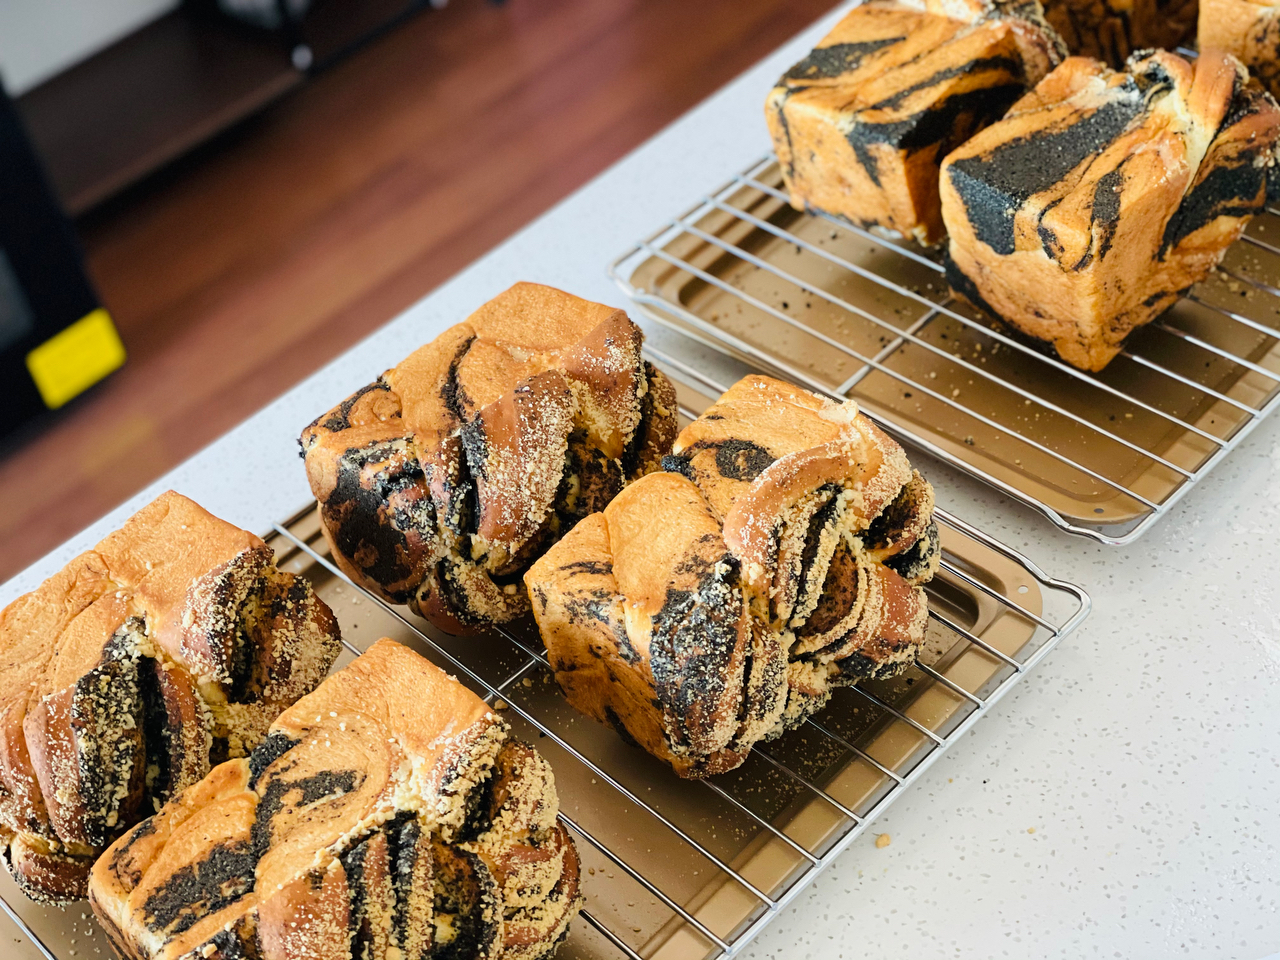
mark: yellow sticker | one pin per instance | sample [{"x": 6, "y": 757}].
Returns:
[{"x": 72, "y": 361}]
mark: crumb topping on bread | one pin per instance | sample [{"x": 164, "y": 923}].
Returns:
[
  {"x": 439, "y": 484},
  {"x": 170, "y": 646},
  {"x": 780, "y": 554},
  {"x": 388, "y": 813}
]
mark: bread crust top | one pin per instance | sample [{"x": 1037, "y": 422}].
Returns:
[
  {"x": 50, "y": 636},
  {"x": 122, "y": 675},
  {"x": 284, "y": 845},
  {"x": 445, "y": 477}
]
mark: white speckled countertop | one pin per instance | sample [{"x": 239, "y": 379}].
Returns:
[{"x": 1145, "y": 752}]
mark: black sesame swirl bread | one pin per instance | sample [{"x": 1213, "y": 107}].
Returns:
[
  {"x": 170, "y": 646},
  {"x": 1103, "y": 196},
  {"x": 862, "y": 123},
  {"x": 719, "y": 603},
  {"x": 388, "y": 815},
  {"x": 443, "y": 480}
]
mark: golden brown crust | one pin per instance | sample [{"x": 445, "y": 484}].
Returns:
[
  {"x": 388, "y": 810},
  {"x": 716, "y": 604},
  {"x": 127, "y": 665},
  {"x": 46, "y": 871},
  {"x": 441, "y": 482},
  {"x": 1103, "y": 196},
  {"x": 861, "y": 124}
]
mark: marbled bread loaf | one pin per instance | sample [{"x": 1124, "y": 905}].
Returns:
[
  {"x": 171, "y": 645},
  {"x": 862, "y": 123},
  {"x": 388, "y": 816},
  {"x": 1103, "y": 196},
  {"x": 443, "y": 480},
  {"x": 720, "y": 602}
]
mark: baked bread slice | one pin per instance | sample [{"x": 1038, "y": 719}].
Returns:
[
  {"x": 1103, "y": 196},
  {"x": 173, "y": 644},
  {"x": 442, "y": 481},
  {"x": 1247, "y": 29},
  {"x": 388, "y": 814},
  {"x": 862, "y": 123},
  {"x": 1112, "y": 30},
  {"x": 719, "y": 603}
]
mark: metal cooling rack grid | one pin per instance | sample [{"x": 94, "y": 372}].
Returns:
[
  {"x": 823, "y": 785},
  {"x": 1072, "y": 606},
  {"x": 730, "y": 943},
  {"x": 733, "y": 202}
]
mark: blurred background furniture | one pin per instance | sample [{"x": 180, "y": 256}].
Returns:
[
  {"x": 182, "y": 78},
  {"x": 253, "y": 258},
  {"x": 55, "y": 339}
]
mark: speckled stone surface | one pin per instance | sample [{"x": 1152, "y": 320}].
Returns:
[{"x": 1145, "y": 751}]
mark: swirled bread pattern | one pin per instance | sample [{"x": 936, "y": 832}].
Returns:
[
  {"x": 388, "y": 816},
  {"x": 170, "y": 646},
  {"x": 718, "y": 603},
  {"x": 862, "y": 123},
  {"x": 1104, "y": 196},
  {"x": 443, "y": 480}
]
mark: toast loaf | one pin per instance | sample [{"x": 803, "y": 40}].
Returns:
[
  {"x": 719, "y": 603},
  {"x": 443, "y": 480},
  {"x": 861, "y": 124},
  {"x": 389, "y": 814},
  {"x": 1104, "y": 196},
  {"x": 170, "y": 646}
]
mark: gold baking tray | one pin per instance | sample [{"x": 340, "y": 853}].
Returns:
[
  {"x": 684, "y": 870},
  {"x": 847, "y": 312}
]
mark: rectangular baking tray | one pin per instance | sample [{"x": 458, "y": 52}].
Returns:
[
  {"x": 849, "y": 313},
  {"x": 686, "y": 870}
]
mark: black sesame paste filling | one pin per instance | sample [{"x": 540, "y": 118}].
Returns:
[
  {"x": 694, "y": 636},
  {"x": 839, "y": 595},
  {"x": 242, "y": 650},
  {"x": 404, "y": 836},
  {"x": 156, "y": 735},
  {"x": 478, "y": 814},
  {"x": 823, "y": 518},
  {"x": 266, "y": 753},
  {"x": 464, "y": 895},
  {"x": 912, "y": 564},
  {"x": 648, "y": 411},
  {"x": 105, "y": 710},
  {"x": 824, "y": 63},
  {"x": 199, "y": 889},
  {"x": 355, "y": 511},
  {"x": 892, "y": 520}
]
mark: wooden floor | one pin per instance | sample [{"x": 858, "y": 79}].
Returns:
[{"x": 245, "y": 268}]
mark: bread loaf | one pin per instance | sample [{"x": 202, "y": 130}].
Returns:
[
  {"x": 171, "y": 645},
  {"x": 1103, "y": 196},
  {"x": 719, "y": 603},
  {"x": 389, "y": 814},
  {"x": 443, "y": 480},
  {"x": 862, "y": 123}
]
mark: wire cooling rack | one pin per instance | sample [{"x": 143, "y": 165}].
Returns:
[
  {"x": 687, "y": 870},
  {"x": 850, "y": 313}
]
